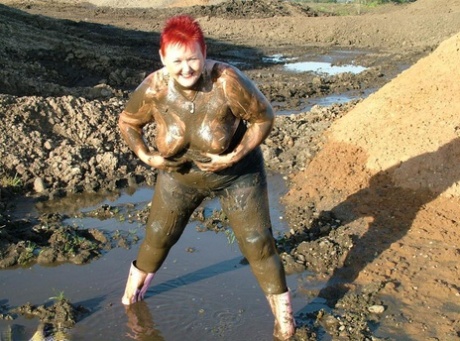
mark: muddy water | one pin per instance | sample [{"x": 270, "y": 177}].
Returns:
[
  {"x": 203, "y": 291},
  {"x": 326, "y": 101},
  {"x": 332, "y": 64}
]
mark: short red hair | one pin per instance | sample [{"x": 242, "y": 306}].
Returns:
[{"x": 182, "y": 30}]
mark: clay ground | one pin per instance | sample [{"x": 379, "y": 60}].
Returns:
[{"x": 63, "y": 68}]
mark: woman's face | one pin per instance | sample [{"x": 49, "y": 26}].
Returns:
[{"x": 184, "y": 63}]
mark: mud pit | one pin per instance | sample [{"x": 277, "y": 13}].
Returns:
[{"x": 69, "y": 68}]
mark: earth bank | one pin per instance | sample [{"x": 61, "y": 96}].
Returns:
[{"x": 387, "y": 174}]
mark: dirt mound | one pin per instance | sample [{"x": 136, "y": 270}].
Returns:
[
  {"x": 389, "y": 172},
  {"x": 49, "y": 57},
  {"x": 408, "y": 129},
  {"x": 150, "y": 4},
  {"x": 232, "y": 9}
]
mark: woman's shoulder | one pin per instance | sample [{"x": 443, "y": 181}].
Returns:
[
  {"x": 156, "y": 81},
  {"x": 153, "y": 86},
  {"x": 220, "y": 68},
  {"x": 221, "y": 71}
]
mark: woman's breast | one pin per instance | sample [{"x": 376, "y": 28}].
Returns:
[
  {"x": 214, "y": 134},
  {"x": 201, "y": 132},
  {"x": 210, "y": 129},
  {"x": 171, "y": 131}
]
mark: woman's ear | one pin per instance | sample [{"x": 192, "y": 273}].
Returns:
[{"x": 161, "y": 57}]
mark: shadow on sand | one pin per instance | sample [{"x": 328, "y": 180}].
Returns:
[{"x": 392, "y": 208}]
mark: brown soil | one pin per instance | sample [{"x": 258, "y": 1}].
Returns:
[
  {"x": 374, "y": 192},
  {"x": 389, "y": 169}
]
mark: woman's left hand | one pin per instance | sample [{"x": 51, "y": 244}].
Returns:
[{"x": 217, "y": 162}]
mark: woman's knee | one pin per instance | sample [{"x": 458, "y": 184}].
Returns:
[{"x": 258, "y": 246}]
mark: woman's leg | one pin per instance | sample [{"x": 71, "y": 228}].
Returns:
[
  {"x": 246, "y": 206},
  {"x": 171, "y": 208}
]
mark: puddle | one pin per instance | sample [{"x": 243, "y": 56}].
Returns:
[
  {"x": 203, "y": 295},
  {"x": 327, "y": 101},
  {"x": 323, "y": 68},
  {"x": 322, "y": 101},
  {"x": 336, "y": 63}
]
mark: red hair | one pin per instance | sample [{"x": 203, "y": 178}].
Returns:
[{"x": 182, "y": 30}]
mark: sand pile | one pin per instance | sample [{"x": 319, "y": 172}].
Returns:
[
  {"x": 389, "y": 172},
  {"x": 408, "y": 130}
]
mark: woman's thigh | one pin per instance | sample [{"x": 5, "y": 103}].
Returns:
[
  {"x": 171, "y": 208},
  {"x": 246, "y": 205}
]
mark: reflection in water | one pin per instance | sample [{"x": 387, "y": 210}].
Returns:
[
  {"x": 339, "y": 61},
  {"x": 322, "y": 67},
  {"x": 140, "y": 323},
  {"x": 49, "y": 332},
  {"x": 84, "y": 202},
  {"x": 74, "y": 203},
  {"x": 12, "y": 332}
]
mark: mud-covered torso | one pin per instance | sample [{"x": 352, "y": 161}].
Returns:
[
  {"x": 219, "y": 108},
  {"x": 210, "y": 128}
]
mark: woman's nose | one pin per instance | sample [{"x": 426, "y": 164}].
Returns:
[{"x": 186, "y": 67}]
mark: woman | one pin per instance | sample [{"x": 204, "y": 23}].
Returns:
[{"x": 210, "y": 120}]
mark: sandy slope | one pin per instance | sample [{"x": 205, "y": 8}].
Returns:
[{"x": 393, "y": 162}]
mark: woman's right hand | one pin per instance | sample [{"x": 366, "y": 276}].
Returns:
[{"x": 154, "y": 159}]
